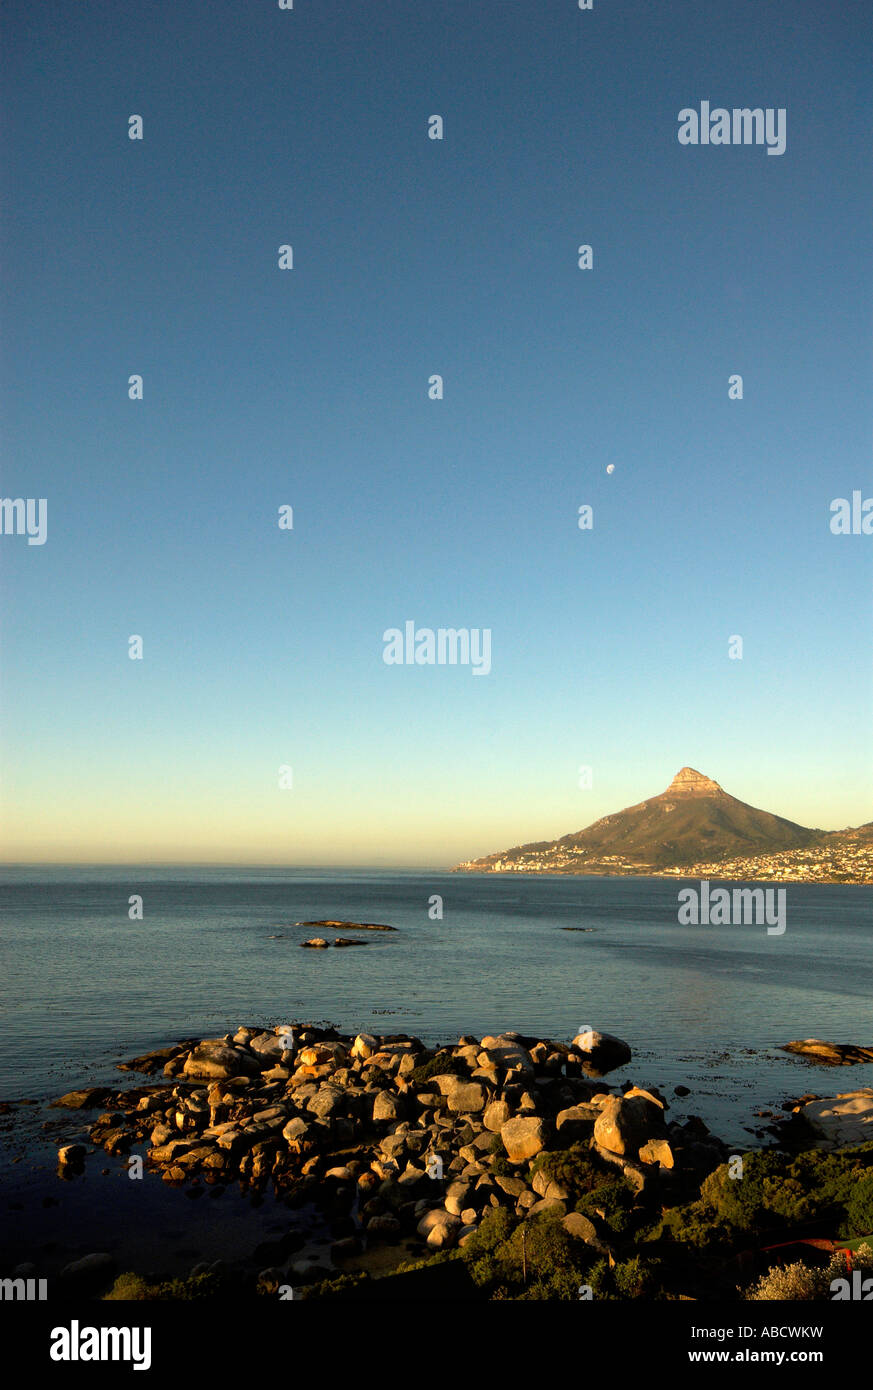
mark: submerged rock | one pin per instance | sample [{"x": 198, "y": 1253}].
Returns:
[
  {"x": 71, "y": 1154},
  {"x": 833, "y": 1054},
  {"x": 85, "y": 1099},
  {"x": 348, "y": 926}
]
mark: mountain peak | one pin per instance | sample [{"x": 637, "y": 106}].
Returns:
[
  {"x": 693, "y": 822},
  {"x": 689, "y": 780}
]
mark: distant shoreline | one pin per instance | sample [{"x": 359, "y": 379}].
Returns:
[{"x": 676, "y": 875}]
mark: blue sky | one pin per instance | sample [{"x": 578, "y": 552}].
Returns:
[{"x": 309, "y": 387}]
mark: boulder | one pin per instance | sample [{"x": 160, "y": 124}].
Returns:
[
  {"x": 657, "y": 1151},
  {"x": 601, "y": 1052},
  {"x": 393, "y": 1145},
  {"x": 71, "y": 1153},
  {"x": 581, "y": 1228},
  {"x": 213, "y": 1060},
  {"x": 295, "y": 1130},
  {"x": 267, "y": 1047},
  {"x": 83, "y": 1100},
  {"x": 623, "y": 1125},
  {"x": 551, "y": 1188},
  {"x": 547, "y": 1204},
  {"x": 496, "y": 1115},
  {"x": 161, "y": 1057},
  {"x": 523, "y": 1138},
  {"x": 386, "y": 1107},
  {"x": 466, "y": 1097},
  {"x": 843, "y": 1119},
  {"x": 653, "y": 1094},
  {"x": 327, "y": 1102},
  {"x": 577, "y": 1121},
  {"x": 506, "y": 1051},
  {"x": 513, "y": 1187},
  {"x": 439, "y": 1228},
  {"x": 365, "y": 1045},
  {"x": 166, "y": 1153},
  {"x": 457, "y": 1197}
]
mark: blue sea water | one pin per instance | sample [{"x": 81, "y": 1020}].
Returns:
[{"x": 83, "y": 986}]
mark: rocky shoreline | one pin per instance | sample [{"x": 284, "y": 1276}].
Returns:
[{"x": 450, "y": 1154}]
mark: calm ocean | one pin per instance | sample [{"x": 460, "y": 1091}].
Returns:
[{"x": 83, "y": 986}]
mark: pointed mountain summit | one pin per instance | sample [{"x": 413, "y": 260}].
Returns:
[
  {"x": 693, "y": 821},
  {"x": 689, "y": 781}
]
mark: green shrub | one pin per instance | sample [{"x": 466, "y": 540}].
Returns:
[
  {"x": 635, "y": 1278},
  {"x": 130, "y": 1287},
  {"x": 526, "y": 1260},
  {"x": 859, "y": 1209},
  {"x": 443, "y": 1064},
  {"x": 776, "y": 1190},
  {"x": 340, "y": 1287},
  {"x": 615, "y": 1199},
  {"x": 573, "y": 1167},
  {"x": 601, "y": 1282},
  {"x": 691, "y": 1224}
]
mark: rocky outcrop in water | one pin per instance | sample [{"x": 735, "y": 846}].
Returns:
[
  {"x": 393, "y": 1139},
  {"x": 832, "y": 1054}
]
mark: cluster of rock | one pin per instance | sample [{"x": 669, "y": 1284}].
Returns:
[
  {"x": 320, "y": 943},
  {"x": 391, "y": 1137}
]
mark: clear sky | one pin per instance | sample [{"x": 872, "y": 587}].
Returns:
[{"x": 308, "y": 387}]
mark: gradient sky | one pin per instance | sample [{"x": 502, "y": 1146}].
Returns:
[{"x": 309, "y": 387}]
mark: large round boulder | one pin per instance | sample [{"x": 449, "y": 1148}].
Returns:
[
  {"x": 523, "y": 1138},
  {"x": 214, "y": 1060},
  {"x": 601, "y": 1052},
  {"x": 439, "y": 1228},
  {"x": 625, "y": 1125}
]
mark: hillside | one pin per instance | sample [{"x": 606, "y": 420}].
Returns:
[{"x": 694, "y": 819}]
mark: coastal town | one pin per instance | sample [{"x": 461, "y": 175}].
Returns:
[{"x": 846, "y": 859}]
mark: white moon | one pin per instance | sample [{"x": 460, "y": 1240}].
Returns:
[{"x": 610, "y": 468}]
